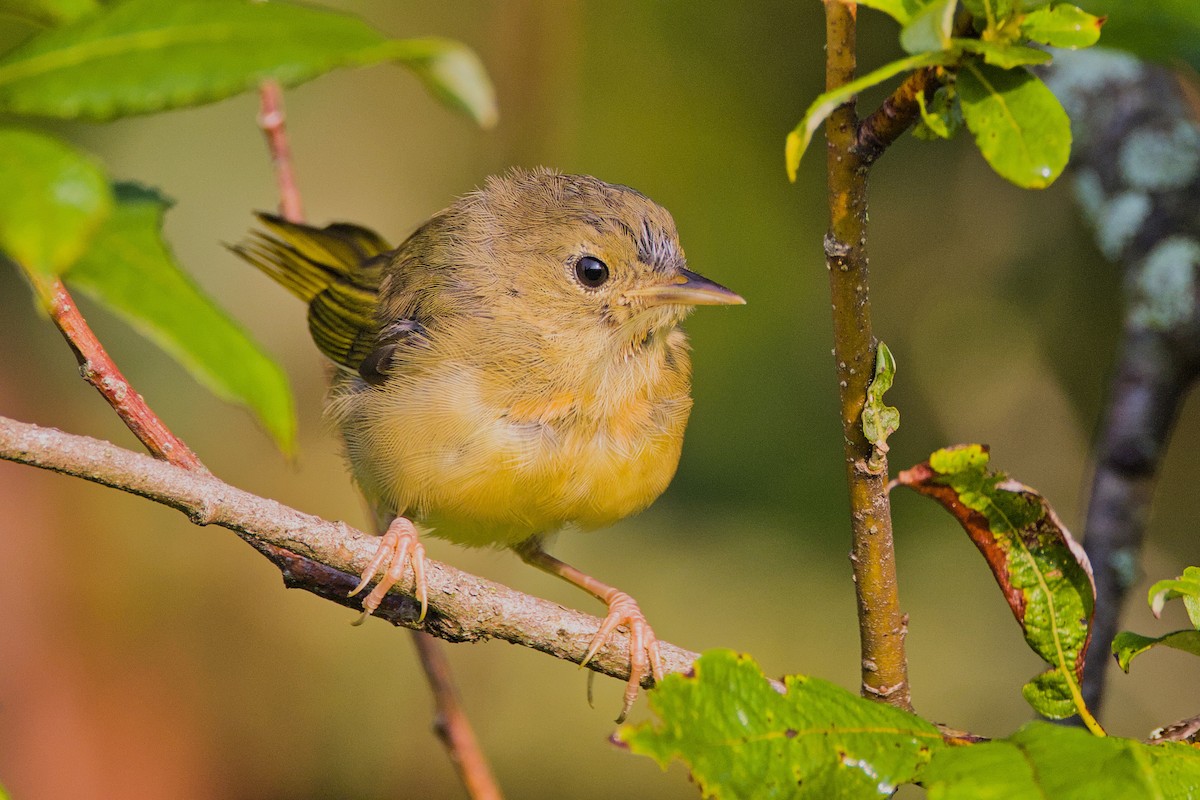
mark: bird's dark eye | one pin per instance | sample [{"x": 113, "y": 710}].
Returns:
[{"x": 591, "y": 271}]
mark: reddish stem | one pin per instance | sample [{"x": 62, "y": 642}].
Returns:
[
  {"x": 98, "y": 369},
  {"x": 451, "y": 723},
  {"x": 271, "y": 120}
]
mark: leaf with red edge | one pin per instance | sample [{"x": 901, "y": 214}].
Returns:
[{"x": 1042, "y": 571}]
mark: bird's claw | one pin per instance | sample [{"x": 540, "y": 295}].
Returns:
[
  {"x": 398, "y": 547},
  {"x": 644, "y": 655}
]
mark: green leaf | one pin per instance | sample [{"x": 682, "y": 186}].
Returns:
[
  {"x": 453, "y": 74},
  {"x": 741, "y": 738},
  {"x": 992, "y": 12},
  {"x": 52, "y": 200},
  {"x": 1165, "y": 31},
  {"x": 1186, "y": 586},
  {"x": 900, "y": 10},
  {"x": 47, "y": 13},
  {"x": 879, "y": 420},
  {"x": 1004, "y": 56},
  {"x": 129, "y": 269},
  {"x": 1127, "y": 644},
  {"x": 941, "y": 118},
  {"x": 1041, "y": 570},
  {"x": 929, "y": 30},
  {"x": 1019, "y": 125},
  {"x": 1043, "y": 761},
  {"x": 824, "y": 105},
  {"x": 1062, "y": 26},
  {"x": 143, "y": 56},
  {"x": 1051, "y": 694}
]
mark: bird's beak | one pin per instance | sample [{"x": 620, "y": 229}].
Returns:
[{"x": 687, "y": 289}]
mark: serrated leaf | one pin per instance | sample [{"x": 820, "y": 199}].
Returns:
[
  {"x": 742, "y": 738},
  {"x": 929, "y": 29},
  {"x": 143, "y": 56},
  {"x": 129, "y": 269},
  {"x": 1186, "y": 586},
  {"x": 47, "y": 12},
  {"x": 1062, "y": 25},
  {"x": 1051, "y": 761},
  {"x": 1018, "y": 123},
  {"x": 52, "y": 200},
  {"x": 1042, "y": 571},
  {"x": 941, "y": 118},
  {"x": 1126, "y": 644},
  {"x": 823, "y": 106},
  {"x": 1002, "y": 55}
]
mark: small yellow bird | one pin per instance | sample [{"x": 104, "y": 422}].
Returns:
[{"x": 515, "y": 367}]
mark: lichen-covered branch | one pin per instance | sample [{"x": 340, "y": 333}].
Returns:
[
  {"x": 325, "y": 557},
  {"x": 881, "y": 625},
  {"x": 1136, "y": 165}
]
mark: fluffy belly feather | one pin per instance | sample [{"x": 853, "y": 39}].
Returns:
[{"x": 479, "y": 471}]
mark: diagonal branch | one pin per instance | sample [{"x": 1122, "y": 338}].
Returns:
[
  {"x": 325, "y": 557},
  {"x": 97, "y": 368}
]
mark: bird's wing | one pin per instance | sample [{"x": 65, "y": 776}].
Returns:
[{"x": 336, "y": 270}]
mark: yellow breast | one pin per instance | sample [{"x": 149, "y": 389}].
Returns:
[{"x": 482, "y": 458}]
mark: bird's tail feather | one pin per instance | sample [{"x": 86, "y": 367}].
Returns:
[{"x": 335, "y": 269}]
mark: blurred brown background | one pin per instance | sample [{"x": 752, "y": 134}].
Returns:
[{"x": 141, "y": 656}]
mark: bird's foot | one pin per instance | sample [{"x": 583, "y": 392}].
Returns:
[
  {"x": 644, "y": 657},
  {"x": 398, "y": 547}
]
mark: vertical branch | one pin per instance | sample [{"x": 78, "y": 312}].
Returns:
[
  {"x": 451, "y": 724},
  {"x": 1126, "y": 120},
  {"x": 1149, "y": 386},
  {"x": 271, "y": 121},
  {"x": 881, "y": 625},
  {"x": 98, "y": 369}
]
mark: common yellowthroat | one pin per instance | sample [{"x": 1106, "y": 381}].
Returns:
[{"x": 515, "y": 367}]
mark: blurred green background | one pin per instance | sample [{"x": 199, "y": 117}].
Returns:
[{"x": 141, "y": 656}]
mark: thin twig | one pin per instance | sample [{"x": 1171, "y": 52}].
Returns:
[
  {"x": 881, "y": 625},
  {"x": 271, "y": 120},
  {"x": 98, "y": 369},
  {"x": 325, "y": 558},
  {"x": 451, "y": 723}
]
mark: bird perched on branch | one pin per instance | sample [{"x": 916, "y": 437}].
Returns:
[{"x": 515, "y": 367}]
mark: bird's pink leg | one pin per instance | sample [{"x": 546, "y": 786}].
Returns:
[
  {"x": 644, "y": 657},
  {"x": 398, "y": 547}
]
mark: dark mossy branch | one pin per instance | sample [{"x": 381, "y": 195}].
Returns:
[{"x": 882, "y": 626}]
